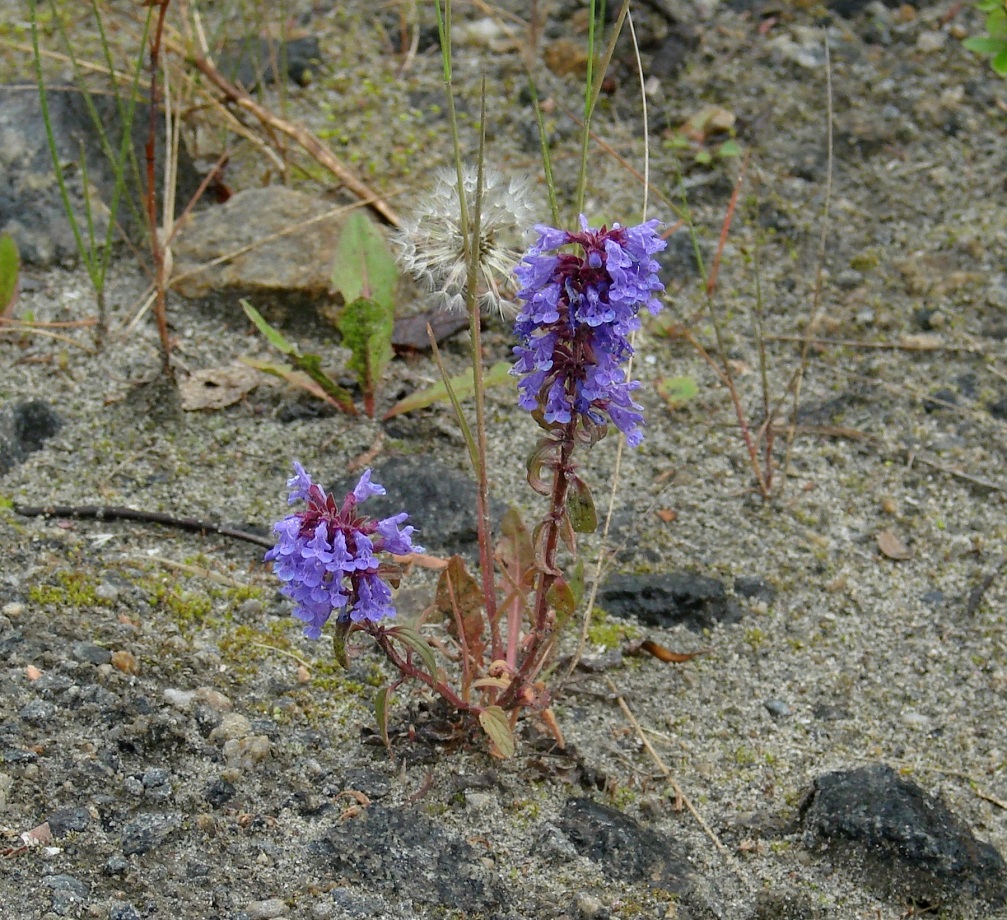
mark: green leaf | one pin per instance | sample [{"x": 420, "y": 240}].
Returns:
[
  {"x": 339, "y": 644},
  {"x": 983, "y": 44},
  {"x": 273, "y": 336},
  {"x": 676, "y": 391},
  {"x": 364, "y": 266},
  {"x": 988, "y": 6},
  {"x": 381, "y": 714},
  {"x": 10, "y": 268},
  {"x": 495, "y": 723},
  {"x": 580, "y": 506},
  {"x": 498, "y": 375},
  {"x": 1000, "y": 63},
  {"x": 366, "y": 326},
  {"x": 411, "y": 638},
  {"x": 704, "y": 158},
  {"x": 312, "y": 366},
  {"x": 561, "y": 598},
  {"x": 729, "y": 149}
]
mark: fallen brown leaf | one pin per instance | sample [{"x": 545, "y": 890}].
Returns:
[
  {"x": 217, "y": 387},
  {"x": 893, "y": 547},
  {"x": 665, "y": 654}
]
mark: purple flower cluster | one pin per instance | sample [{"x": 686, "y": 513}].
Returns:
[
  {"x": 326, "y": 554},
  {"x": 578, "y": 313}
]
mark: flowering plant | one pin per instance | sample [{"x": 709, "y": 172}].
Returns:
[{"x": 579, "y": 310}]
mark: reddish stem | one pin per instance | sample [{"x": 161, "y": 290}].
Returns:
[
  {"x": 548, "y": 572},
  {"x": 406, "y": 667},
  {"x": 160, "y": 282}
]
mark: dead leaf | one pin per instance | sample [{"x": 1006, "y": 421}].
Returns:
[
  {"x": 564, "y": 57},
  {"x": 37, "y": 836},
  {"x": 410, "y": 332},
  {"x": 667, "y": 515},
  {"x": 921, "y": 341},
  {"x": 665, "y": 654},
  {"x": 893, "y": 547},
  {"x": 217, "y": 387}
]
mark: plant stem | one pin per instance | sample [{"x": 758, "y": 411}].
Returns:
[
  {"x": 405, "y": 667},
  {"x": 548, "y": 571},
  {"x": 156, "y": 250}
]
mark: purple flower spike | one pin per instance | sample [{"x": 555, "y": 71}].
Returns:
[
  {"x": 578, "y": 313},
  {"x": 325, "y": 555}
]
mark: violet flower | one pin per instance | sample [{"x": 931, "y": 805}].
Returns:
[
  {"x": 325, "y": 555},
  {"x": 578, "y": 314}
]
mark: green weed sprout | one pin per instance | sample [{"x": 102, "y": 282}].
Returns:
[{"x": 994, "y": 43}]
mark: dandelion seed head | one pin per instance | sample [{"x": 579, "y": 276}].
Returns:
[{"x": 431, "y": 245}]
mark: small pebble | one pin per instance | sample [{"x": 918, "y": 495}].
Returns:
[
  {"x": 180, "y": 699},
  {"x": 106, "y": 591},
  {"x": 928, "y": 42},
  {"x": 777, "y": 708},
  {"x": 12, "y": 610},
  {"x": 122, "y": 910},
  {"x": 266, "y": 910},
  {"x": 232, "y": 726},
  {"x": 245, "y": 753},
  {"x": 37, "y": 712}
]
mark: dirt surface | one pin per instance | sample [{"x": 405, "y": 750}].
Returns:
[{"x": 200, "y": 758}]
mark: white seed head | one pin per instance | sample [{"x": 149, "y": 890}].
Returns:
[{"x": 431, "y": 244}]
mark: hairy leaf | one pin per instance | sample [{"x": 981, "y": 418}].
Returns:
[
  {"x": 580, "y": 506},
  {"x": 460, "y": 598},
  {"x": 364, "y": 268},
  {"x": 411, "y": 638},
  {"x": 495, "y": 723},
  {"x": 366, "y": 326},
  {"x": 10, "y": 268}
]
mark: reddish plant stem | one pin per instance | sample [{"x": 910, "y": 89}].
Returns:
[
  {"x": 548, "y": 572},
  {"x": 406, "y": 667},
  {"x": 156, "y": 250}
]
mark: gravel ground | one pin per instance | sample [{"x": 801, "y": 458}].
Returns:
[{"x": 196, "y": 757}]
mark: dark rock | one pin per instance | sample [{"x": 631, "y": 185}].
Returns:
[
  {"x": 88, "y": 651},
  {"x": 405, "y": 853},
  {"x": 219, "y": 792},
  {"x": 67, "y": 820},
  {"x": 753, "y": 586},
  {"x": 940, "y": 399},
  {"x": 295, "y": 264},
  {"x": 998, "y": 409},
  {"x": 624, "y": 848},
  {"x": 905, "y": 842},
  {"x": 31, "y": 207},
  {"x": 122, "y": 910},
  {"x": 145, "y": 832},
  {"x": 441, "y": 501},
  {"x": 115, "y": 866},
  {"x": 25, "y": 426},
  {"x": 254, "y": 60},
  {"x": 933, "y": 598},
  {"x": 37, "y": 712},
  {"x": 679, "y": 598},
  {"x": 68, "y": 893}
]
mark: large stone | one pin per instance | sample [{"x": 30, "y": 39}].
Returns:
[
  {"x": 31, "y": 207},
  {"x": 265, "y": 246},
  {"x": 678, "y": 598},
  {"x": 902, "y": 841}
]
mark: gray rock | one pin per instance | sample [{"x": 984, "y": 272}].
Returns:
[
  {"x": 405, "y": 853},
  {"x": 903, "y": 841},
  {"x": 145, "y": 832},
  {"x": 440, "y": 500},
  {"x": 68, "y": 893},
  {"x": 88, "y": 651},
  {"x": 297, "y": 264},
  {"x": 37, "y": 712},
  {"x": 68, "y": 820},
  {"x": 122, "y": 910},
  {"x": 266, "y": 910},
  {"x": 25, "y": 426},
  {"x": 31, "y": 208},
  {"x": 679, "y": 598},
  {"x": 624, "y": 849}
]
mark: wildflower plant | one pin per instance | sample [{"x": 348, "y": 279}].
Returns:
[{"x": 577, "y": 295}]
